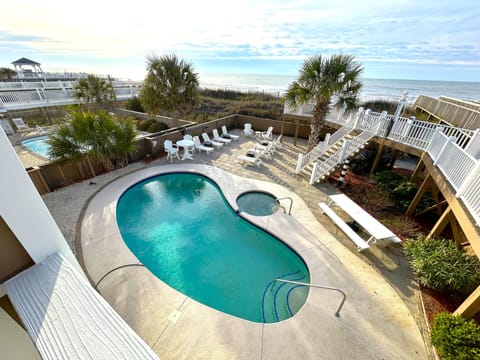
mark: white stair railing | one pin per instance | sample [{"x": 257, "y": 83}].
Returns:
[
  {"x": 304, "y": 160},
  {"x": 350, "y": 147}
]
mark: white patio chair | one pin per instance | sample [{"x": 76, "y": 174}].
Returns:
[
  {"x": 216, "y": 137},
  {"x": 200, "y": 147},
  {"x": 171, "y": 150},
  {"x": 187, "y": 137},
  {"x": 266, "y": 135},
  {"x": 227, "y": 135},
  {"x": 264, "y": 151},
  {"x": 247, "y": 130},
  {"x": 207, "y": 140}
]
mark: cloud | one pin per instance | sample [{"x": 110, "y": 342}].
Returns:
[{"x": 435, "y": 32}]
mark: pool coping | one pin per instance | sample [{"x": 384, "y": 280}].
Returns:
[{"x": 182, "y": 327}]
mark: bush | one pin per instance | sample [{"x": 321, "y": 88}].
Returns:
[
  {"x": 440, "y": 265},
  {"x": 388, "y": 180},
  {"x": 143, "y": 125},
  {"x": 456, "y": 338},
  {"x": 157, "y": 126},
  {"x": 403, "y": 194},
  {"x": 134, "y": 104}
]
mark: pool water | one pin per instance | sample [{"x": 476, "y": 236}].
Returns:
[
  {"x": 182, "y": 229},
  {"x": 257, "y": 203},
  {"x": 38, "y": 145}
]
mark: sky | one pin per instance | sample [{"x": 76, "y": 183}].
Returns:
[{"x": 402, "y": 39}]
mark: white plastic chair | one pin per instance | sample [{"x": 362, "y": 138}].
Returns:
[
  {"x": 200, "y": 147},
  {"x": 266, "y": 135},
  {"x": 247, "y": 130},
  {"x": 227, "y": 135},
  {"x": 171, "y": 150},
  {"x": 187, "y": 137},
  {"x": 207, "y": 139},
  {"x": 216, "y": 137}
]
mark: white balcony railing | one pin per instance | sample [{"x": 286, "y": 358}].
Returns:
[{"x": 27, "y": 95}]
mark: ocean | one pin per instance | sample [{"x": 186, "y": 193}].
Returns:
[{"x": 387, "y": 89}]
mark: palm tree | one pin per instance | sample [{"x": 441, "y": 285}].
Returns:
[
  {"x": 170, "y": 86},
  {"x": 94, "y": 89},
  {"x": 93, "y": 136},
  {"x": 322, "y": 79}
]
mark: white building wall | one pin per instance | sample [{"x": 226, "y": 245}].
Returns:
[{"x": 24, "y": 211}]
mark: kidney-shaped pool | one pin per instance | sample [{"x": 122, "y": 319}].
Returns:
[{"x": 182, "y": 229}]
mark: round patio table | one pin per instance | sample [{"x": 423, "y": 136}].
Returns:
[{"x": 187, "y": 146}]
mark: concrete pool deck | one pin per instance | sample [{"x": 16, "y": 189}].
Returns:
[{"x": 375, "y": 323}]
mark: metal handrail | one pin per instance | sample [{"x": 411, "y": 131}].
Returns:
[
  {"x": 344, "y": 294},
  {"x": 291, "y": 203}
]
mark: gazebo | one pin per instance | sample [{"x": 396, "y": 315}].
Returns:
[{"x": 27, "y": 68}]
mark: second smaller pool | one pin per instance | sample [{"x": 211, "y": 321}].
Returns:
[
  {"x": 257, "y": 203},
  {"x": 38, "y": 145}
]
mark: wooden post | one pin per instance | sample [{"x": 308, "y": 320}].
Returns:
[
  {"x": 378, "y": 157},
  {"x": 440, "y": 224},
  {"x": 296, "y": 133},
  {"x": 470, "y": 306},
  {"x": 425, "y": 185},
  {"x": 419, "y": 168}
]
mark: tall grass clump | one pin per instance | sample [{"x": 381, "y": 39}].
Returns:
[{"x": 440, "y": 265}]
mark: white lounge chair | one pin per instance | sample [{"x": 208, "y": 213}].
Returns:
[
  {"x": 227, "y": 135},
  {"x": 200, "y": 147},
  {"x": 20, "y": 124},
  {"x": 265, "y": 151},
  {"x": 171, "y": 150},
  {"x": 247, "y": 130},
  {"x": 251, "y": 158},
  {"x": 207, "y": 140},
  {"x": 265, "y": 135},
  {"x": 217, "y": 137}
]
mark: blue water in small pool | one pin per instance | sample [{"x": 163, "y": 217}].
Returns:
[
  {"x": 182, "y": 229},
  {"x": 38, "y": 145}
]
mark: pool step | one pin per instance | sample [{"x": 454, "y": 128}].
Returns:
[{"x": 277, "y": 304}]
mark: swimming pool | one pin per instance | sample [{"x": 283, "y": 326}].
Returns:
[
  {"x": 38, "y": 145},
  {"x": 183, "y": 230}
]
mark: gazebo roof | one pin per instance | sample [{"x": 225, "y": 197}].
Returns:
[{"x": 25, "y": 61}]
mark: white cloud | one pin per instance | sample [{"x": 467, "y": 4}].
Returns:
[{"x": 403, "y": 31}]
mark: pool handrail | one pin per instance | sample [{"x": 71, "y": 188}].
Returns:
[
  {"x": 344, "y": 294},
  {"x": 291, "y": 203}
]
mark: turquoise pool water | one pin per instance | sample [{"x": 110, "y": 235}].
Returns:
[
  {"x": 182, "y": 229},
  {"x": 38, "y": 145}
]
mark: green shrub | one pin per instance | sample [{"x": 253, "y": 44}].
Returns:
[
  {"x": 157, "y": 126},
  {"x": 403, "y": 194},
  {"x": 143, "y": 125},
  {"x": 134, "y": 104},
  {"x": 456, "y": 338},
  {"x": 388, "y": 180},
  {"x": 440, "y": 265}
]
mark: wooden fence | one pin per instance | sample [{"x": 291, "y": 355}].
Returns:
[
  {"x": 459, "y": 113},
  {"x": 55, "y": 174}
]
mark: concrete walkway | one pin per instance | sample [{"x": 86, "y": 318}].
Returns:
[{"x": 379, "y": 320}]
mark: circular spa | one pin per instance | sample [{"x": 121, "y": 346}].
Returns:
[
  {"x": 257, "y": 203},
  {"x": 180, "y": 226}
]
